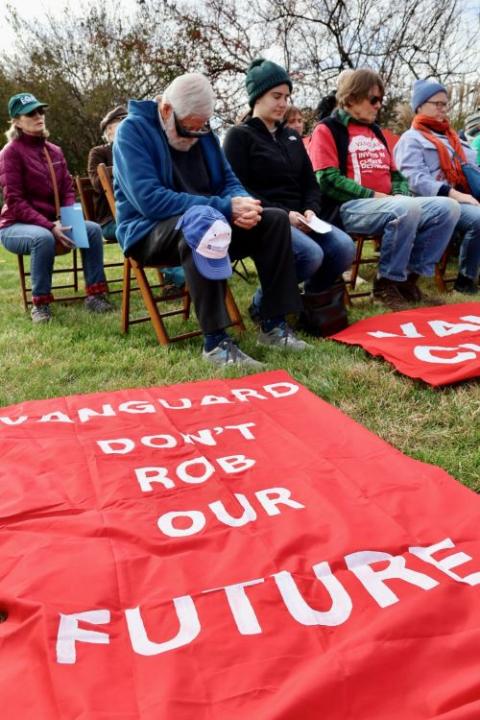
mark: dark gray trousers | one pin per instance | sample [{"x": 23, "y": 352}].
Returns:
[{"x": 268, "y": 244}]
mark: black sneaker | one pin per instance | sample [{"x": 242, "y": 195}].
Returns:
[
  {"x": 466, "y": 285},
  {"x": 387, "y": 292}
]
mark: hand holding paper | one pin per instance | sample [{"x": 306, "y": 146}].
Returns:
[
  {"x": 59, "y": 231},
  {"x": 314, "y": 223}
]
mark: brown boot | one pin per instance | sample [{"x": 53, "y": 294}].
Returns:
[
  {"x": 410, "y": 290},
  {"x": 388, "y": 292}
]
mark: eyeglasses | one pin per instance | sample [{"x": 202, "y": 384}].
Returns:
[
  {"x": 184, "y": 132},
  {"x": 375, "y": 100},
  {"x": 439, "y": 104},
  {"x": 37, "y": 111}
]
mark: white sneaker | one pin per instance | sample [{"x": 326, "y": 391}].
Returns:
[
  {"x": 282, "y": 336},
  {"x": 228, "y": 353},
  {"x": 41, "y": 313}
]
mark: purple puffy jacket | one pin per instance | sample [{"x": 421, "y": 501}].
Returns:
[{"x": 27, "y": 184}]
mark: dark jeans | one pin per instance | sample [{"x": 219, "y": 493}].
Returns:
[{"x": 268, "y": 244}]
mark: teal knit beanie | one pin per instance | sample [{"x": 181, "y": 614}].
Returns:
[{"x": 263, "y": 75}]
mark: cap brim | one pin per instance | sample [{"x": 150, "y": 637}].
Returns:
[
  {"x": 31, "y": 106},
  {"x": 213, "y": 269}
]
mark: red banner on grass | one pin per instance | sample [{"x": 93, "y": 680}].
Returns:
[
  {"x": 226, "y": 550},
  {"x": 440, "y": 345}
]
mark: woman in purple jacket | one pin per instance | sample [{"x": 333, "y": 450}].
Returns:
[{"x": 29, "y": 222}]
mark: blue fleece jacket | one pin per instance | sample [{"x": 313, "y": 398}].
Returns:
[{"x": 143, "y": 175}]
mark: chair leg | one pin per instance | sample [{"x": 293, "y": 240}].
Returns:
[
  {"x": 243, "y": 273},
  {"x": 75, "y": 270},
  {"x": 23, "y": 285},
  {"x": 187, "y": 303},
  {"x": 126, "y": 296},
  {"x": 233, "y": 311},
  {"x": 356, "y": 262},
  {"x": 440, "y": 269},
  {"x": 150, "y": 304}
]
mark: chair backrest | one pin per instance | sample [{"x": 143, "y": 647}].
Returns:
[
  {"x": 105, "y": 175},
  {"x": 86, "y": 193}
]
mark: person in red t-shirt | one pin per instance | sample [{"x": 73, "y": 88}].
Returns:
[{"x": 364, "y": 189}]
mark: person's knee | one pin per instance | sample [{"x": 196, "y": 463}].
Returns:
[
  {"x": 345, "y": 249},
  {"x": 44, "y": 240},
  {"x": 313, "y": 259},
  {"x": 450, "y": 209},
  {"x": 470, "y": 219},
  {"x": 94, "y": 232},
  {"x": 407, "y": 208},
  {"x": 275, "y": 217}
]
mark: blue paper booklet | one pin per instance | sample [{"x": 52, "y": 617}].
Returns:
[{"x": 72, "y": 216}]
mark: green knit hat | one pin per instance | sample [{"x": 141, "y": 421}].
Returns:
[{"x": 262, "y": 76}]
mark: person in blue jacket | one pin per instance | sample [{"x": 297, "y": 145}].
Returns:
[{"x": 167, "y": 162}]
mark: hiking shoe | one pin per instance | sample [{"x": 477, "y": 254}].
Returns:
[
  {"x": 41, "y": 313},
  {"x": 410, "y": 290},
  {"x": 228, "y": 353},
  {"x": 388, "y": 292},
  {"x": 98, "y": 304},
  {"x": 172, "y": 292},
  {"x": 282, "y": 336},
  {"x": 254, "y": 313},
  {"x": 465, "y": 285}
]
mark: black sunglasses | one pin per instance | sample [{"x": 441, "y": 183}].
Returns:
[
  {"x": 183, "y": 132},
  {"x": 37, "y": 111},
  {"x": 375, "y": 100}
]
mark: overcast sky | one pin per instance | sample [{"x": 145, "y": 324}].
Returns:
[{"x": 38, "y": 9}]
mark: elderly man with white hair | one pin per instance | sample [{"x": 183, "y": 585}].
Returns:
[{"x": 178, "y": 201}]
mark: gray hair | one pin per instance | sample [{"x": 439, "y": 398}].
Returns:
[{"x": 190, "y": 94}]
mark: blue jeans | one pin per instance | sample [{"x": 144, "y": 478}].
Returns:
[
  {"x": 469, "y": 227},
  {"x": 415, "y": 231},
  {"x": 39, "y": 242},
  {"x": 320, "y": 258},
  {"x": 109, "y": 230},
  {"x": 174, "y": 276}
]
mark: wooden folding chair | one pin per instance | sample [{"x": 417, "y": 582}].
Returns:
[
  {"x": 86, "y": 194},
  {"x": 151, "y": 299},
  {"x": 73, "y": 270},
  {"x": 371, "y": 259}
]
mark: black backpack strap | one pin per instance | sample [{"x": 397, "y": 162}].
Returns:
[
  {"x": 378, "y": 132},
  {"x": 340, "y": 136}
]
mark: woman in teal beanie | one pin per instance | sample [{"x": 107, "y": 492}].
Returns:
[{"x": 270, "y": 160}]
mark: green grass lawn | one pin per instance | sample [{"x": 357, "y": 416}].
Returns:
[{"x": 81, "y": 353}]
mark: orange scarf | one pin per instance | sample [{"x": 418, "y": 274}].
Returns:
[{"x": 451, "y": 166}]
